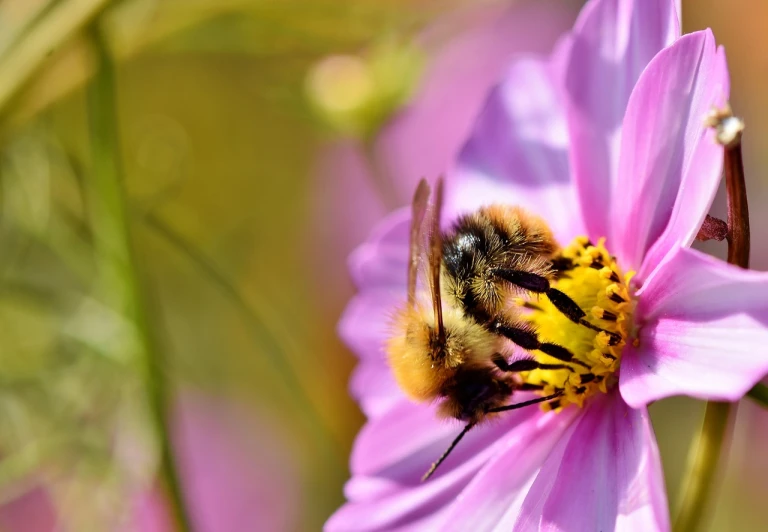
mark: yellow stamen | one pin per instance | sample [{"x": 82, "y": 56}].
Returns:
[{"x": 598, "y": 286}]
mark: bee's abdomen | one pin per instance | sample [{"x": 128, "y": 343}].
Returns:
[{"x": 470, "y": 393}]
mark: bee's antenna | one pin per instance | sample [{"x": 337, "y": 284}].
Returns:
[{"x": 447, "y": 452}]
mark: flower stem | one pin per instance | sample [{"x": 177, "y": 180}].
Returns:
[
  {"x": 759, "y": 394},
  {"x": 705, "y": 452},
  {"x": 702, "y": 466},
  {"x": 119, "y": 274}
]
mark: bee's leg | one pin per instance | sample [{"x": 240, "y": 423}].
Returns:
[
  {"x": 562, "y": 302},
  {"x": 588, "y": 377},
  {"x": 525, "y": 364},
  {"x": 562, "y": 265},
  {"x": 528, "y": 339},
  {"x": 532, "y": 282},
  {"x": 525, "y": 403},
  {"x": 529, "y": 387},
  {"x": 539, "y": 284}
]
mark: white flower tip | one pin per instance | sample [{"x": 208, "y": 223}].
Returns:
[{"x": 728, "y": 128}]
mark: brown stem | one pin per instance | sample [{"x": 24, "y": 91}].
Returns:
[
  {"x": 738, "y": 210},
  {"x": 707, "y": 448}
]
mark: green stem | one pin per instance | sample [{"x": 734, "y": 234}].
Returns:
[
  {"x": 702, "y": 466},
  {"x": 759, "y": 394},
  {"x": 119, "y": 274},
  {"x": 706, "y": 450}
]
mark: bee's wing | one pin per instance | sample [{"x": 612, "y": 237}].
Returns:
[
  {"x": 426, "y": 241},
  {"x": 418, "y": 211},
  {"x": 435, "y": 254}
]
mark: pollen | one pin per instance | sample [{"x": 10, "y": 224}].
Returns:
[{"x": 597, "y": 284}]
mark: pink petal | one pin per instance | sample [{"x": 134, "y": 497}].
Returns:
[
  {"x": 517, "y": 153},
  {"x": 382, "y": 260},
  {"x": 379, "y": 268},
  {"x": 700, "y": 179},
  {"x": 670, "y": 164},
  {"x": 382, "y": 442},
  {"x": 366, "y": 320},
  {"x": 604, "y": 474},
  {"x": 425, "y": 138},
  {"x": 492, "y": 500},
  {"x": 611, "y": 44},
  {"x": 703, "y": 331},
  {"x": 392, "y": 452},
  {"x": 373, "y": 386}
]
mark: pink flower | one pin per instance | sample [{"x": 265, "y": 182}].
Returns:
[
  {"x": 606, "y": 138},
  {"x": 425, "y": 137},
  {"x": 233, "y": 477}
]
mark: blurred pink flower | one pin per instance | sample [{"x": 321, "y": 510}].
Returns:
[
  {"x": 424, "y": 138},
  {"x": 33, "y": 511},
  {"x": 234, "y": 478},
  {"x": 605, "y": 138}
]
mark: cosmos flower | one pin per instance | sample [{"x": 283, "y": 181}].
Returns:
[{"x": 606, "y": 140}]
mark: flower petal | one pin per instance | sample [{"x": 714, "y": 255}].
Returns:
[
  {"x": 374, "y": 388},
  {"x": 382, "y": 444},
  {"x": 425, "y": 138},
  {"x": 604, "y": 474},
  {"x": 517, "y": 152},
  {"x": 381, "y": 261},
  {"x": 704, "y": 328},
  {"x": 363, "y": 326},
  {"x": 700, "y": 180},
  {"x": 379, "y": 269},
  {"x": 392, "y": 452},
  {"x": 611, "y": 44},
  {"x": 494, "y": 496},
  {"x": 670, "y": 163}
]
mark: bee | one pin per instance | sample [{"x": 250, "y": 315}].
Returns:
[{"x": 452, "y": 349}]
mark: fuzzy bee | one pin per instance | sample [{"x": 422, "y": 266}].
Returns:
[{"x": 453, "y": 347}]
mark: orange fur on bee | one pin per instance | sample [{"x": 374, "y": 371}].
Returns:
[
  {"x": 528, "y": 233},
  {"x": 425, "y": 370}
]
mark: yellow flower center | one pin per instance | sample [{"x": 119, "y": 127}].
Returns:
[{"x": 598, "y": 286}]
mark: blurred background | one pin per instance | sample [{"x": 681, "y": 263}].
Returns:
[{"x": 258, "y": 142}]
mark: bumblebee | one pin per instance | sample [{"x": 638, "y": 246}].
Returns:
[{"x": 453, "y": 348}]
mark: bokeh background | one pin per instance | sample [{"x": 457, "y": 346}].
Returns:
[{"x": 258, "y": 141}]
